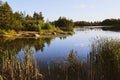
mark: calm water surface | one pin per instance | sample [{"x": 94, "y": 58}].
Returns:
[
  {"x": 49, "y": 50},
  {"x": 58, "y": 48}
]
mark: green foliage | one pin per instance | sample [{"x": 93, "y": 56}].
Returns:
[
  {"x": 5, "y": 16},
  {"x": 48, "y": 26},
  {"x": 11, "y": 32},
  {"x": 16, "y": 25},
  {"x": 18, "y": 21},
  {"x": 8, "y": 20},
  {"x": 40, "y": 25},
  {"x": 2, "y": 31},
  {"x": 85, "y": 23},
  {"x": 64, "y": 24},
  {"x": 112, "y": 28},
  {"x": 110, "y": 22},
  {"x": 31, "y": 25},
  {"x": 38, "y": 16}
]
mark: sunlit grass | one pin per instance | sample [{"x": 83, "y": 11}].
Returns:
[{"x": 6, "y": 32}]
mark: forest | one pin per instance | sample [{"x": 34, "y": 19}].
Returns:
[{"x": 20, "y": 21}]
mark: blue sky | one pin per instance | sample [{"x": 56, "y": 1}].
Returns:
[{"x": 87, "y": 10}]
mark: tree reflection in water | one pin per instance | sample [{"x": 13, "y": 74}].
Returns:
[{"x": 103, "y": 62}]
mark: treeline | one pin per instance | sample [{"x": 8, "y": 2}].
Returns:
[
  {"x": 85, "y": 23},
  {"x": 20, "y": 21},
  {"x": 110, "y": 22},
  {"x": 106, "y": 22}
]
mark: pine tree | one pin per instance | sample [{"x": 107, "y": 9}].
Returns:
[{"x": 5, "y": 16}]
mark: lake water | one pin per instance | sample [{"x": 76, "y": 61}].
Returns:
[{"x": 52, "y": 49}]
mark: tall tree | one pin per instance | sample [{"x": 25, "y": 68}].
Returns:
[
  {"x": 41, "y": 16},
  {"x": 38, "y": 16},
  {"x": 5, "y": 16},
  {"x": 64, "y": 23},
  {"x": 17, "y": 21}
]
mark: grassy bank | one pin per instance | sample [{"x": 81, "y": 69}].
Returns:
[{"x": 42, "y": 33}]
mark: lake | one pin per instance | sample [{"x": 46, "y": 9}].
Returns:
[{"x": 50, "y": 50}]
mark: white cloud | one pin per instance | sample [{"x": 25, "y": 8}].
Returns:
[
  {"x": 80, "y": 44},
  {"x": 84, "y": 6}
]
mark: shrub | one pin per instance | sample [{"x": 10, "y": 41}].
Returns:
[{"x": 48, "y": 26}]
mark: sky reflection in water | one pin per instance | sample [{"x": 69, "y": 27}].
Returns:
[{"x": 81, "y": 42}]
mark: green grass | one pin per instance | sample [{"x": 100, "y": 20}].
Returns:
[{"x": 7, "y": 32}]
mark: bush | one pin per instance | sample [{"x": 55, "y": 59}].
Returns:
[
  {"x": 17, "y": 25},
  {"x": 48, "y": 26},
  {"x": 64, "y": 24}
]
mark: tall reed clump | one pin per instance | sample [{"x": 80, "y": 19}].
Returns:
[
  {"x": 105, "y": 59},
  {"x": 13, "y": 69},
  {"x": 71, "y": 69}
]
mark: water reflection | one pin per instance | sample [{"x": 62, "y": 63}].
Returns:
[
  {"x": 103, "y": 64},
  {"x": 70, "y": 57},
  {"x": 20, "y": 43}
]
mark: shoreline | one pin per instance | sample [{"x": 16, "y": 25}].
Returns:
[{"x": 34, "y": 34}]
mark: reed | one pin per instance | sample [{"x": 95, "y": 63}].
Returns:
[
  {"x": 105, "y": 59},
  {"x": 13, "y": 69}
]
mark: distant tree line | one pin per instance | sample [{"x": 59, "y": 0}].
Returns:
[
  {"x": 110, "y": 22},
  {"x": 106, "y": 22},
  {"x": 85, "y": 23}
]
